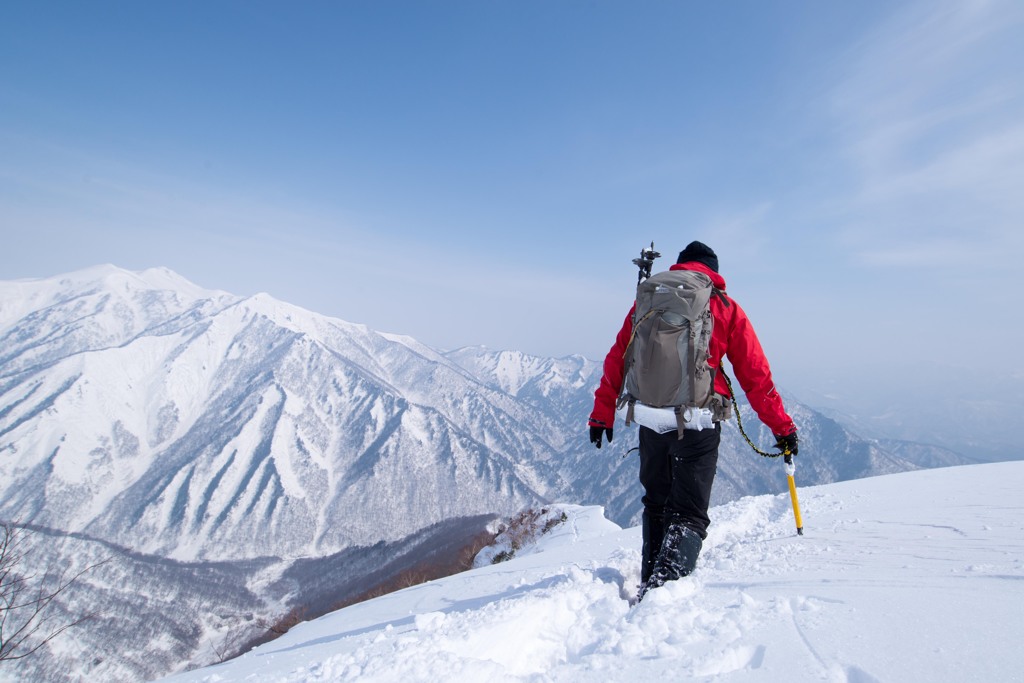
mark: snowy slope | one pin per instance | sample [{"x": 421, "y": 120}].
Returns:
[{"x": 908, "y": 577}]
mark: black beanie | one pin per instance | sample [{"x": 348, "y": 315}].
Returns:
[{"x": 699, "y": 252}]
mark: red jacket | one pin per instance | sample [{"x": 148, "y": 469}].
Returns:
[{"x": 732, "y": 336}]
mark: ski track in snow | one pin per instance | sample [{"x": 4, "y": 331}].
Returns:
[{"x": 880, "y": 589}]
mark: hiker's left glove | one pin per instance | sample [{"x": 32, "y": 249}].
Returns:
[
  {"x": 787, "y": 444},
  {"x": 597, "y": 432}
]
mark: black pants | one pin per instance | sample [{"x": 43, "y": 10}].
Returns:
[{"x": 677, "y": 475}]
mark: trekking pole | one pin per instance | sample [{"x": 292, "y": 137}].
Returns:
[
  {"x": 790, "y": 470},
  {"x": 645, "y": 262}
]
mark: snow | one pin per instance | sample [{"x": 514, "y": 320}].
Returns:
[{"x": 909, "y": 577}]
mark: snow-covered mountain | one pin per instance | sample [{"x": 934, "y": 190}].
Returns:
[
  {"x": 910, "y": 577},
  {"x": 143, "y": 414},
  {"x": 144, "y": 411},
  {"x": 196, "y": 425},
  {"x": 563, "y": 388}
]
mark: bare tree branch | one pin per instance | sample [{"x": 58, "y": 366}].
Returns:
[{"x": 27, "y": 611}]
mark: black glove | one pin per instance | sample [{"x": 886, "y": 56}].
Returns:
[
  {"x": 787, "y": 444},
  {"x": 597, "y": 432}
]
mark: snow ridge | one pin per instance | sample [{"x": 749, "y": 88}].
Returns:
[{"x": 890, "y": 570}]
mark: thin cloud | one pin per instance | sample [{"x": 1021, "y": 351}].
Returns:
[
  {"x": 745, "y": 232},
  {"x": 945, "y": 253},
  {"x": 929, "y": 114}
]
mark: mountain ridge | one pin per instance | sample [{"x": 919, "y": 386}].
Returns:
[{"x": 256, "y": 344}]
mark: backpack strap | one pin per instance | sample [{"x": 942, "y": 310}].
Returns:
[
  {"x": 680, "y": 421},
  {"x": 636, "y": 326},
  {"x": 693, "y": 361},
  {"x": 629, "y": 402},
  {"x": 720, "y": 293}
]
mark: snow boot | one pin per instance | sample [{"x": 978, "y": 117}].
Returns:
[
  {"x": 653, "y": 533},
  {"x": 678, "y": 557}
]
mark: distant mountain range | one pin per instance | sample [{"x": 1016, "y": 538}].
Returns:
[{"x": 140, "y": 411}]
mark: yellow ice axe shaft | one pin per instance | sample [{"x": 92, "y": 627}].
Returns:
[{"x": 790, "y": 470}]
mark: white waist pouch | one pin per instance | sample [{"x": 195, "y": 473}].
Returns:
[{"x": 663, "y": 420}]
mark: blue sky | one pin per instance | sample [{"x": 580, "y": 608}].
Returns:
[{"x": 482, "y": 172}]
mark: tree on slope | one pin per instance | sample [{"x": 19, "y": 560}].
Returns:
[{"x": 28, "y": 618}]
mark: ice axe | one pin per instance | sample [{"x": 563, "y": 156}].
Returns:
[
  {"x": 787, "y": 456},
  {"x": 790, "y": 470}
]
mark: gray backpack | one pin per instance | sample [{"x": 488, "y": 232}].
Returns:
[{"x": 666, "y": 361}]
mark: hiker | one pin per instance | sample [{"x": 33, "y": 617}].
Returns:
[{"x": 677, "y": 468}]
